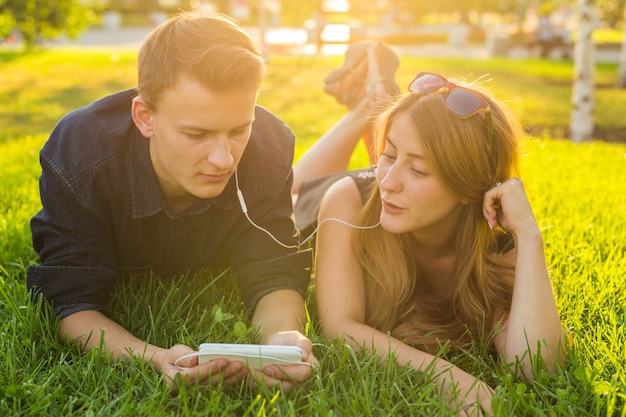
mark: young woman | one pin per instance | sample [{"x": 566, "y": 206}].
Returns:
[{"x": 455, "y": 255}]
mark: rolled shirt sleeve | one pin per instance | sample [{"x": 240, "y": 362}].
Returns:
[{"x": 72, "y": 289}]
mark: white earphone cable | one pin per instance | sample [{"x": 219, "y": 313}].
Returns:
[{"x": 244, "y": 208}]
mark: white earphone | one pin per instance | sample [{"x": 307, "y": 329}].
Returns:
[{"x": 244, "y": 208}]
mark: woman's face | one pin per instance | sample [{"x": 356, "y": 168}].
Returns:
[{"x": 413, "y": 199}]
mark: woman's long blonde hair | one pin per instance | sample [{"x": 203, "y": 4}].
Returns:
[{"x": 460, "y": 153}]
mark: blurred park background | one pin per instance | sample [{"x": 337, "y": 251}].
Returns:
[
  {"x": 582, "y": 32},
  {"x": 516, "y": 28},
  {"x": 57, "y": 55}
]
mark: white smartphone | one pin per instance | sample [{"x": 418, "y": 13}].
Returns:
[{"x": 254, "y": 356}]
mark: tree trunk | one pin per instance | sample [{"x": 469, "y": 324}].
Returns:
[
  {"x": 581, "y": 124},
  {"x": 622, "y": 57}
]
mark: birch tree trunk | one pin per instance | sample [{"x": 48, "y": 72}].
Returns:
[
  {"x": 583, "y": 101},
  {"x": 622, "y": 57}
]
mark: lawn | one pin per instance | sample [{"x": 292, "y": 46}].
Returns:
[{"x": 578, "y": 193}]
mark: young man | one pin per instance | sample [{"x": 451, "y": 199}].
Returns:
[{"x": 153, "y": 179}]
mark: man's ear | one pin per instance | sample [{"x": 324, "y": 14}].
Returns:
[{"x": 142, "y": 116}]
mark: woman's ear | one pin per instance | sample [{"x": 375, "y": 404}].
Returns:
[{"x": 142, "y": 116}]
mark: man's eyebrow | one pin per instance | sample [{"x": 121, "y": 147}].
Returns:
[{"x": 203, "y": 129}]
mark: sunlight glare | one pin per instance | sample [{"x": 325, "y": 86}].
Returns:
[
  {"x": 336, "y": 6},
  {"x": 336, "y": 33},
  {"x": 286, "y": 37}
]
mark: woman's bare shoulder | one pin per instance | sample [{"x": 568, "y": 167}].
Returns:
[{"x": 342, "y": 199}]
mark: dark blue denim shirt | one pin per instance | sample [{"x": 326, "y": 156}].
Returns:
[{"x": 104, "y": 213}]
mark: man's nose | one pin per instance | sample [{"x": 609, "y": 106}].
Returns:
[{"x": 219, "y": 154}]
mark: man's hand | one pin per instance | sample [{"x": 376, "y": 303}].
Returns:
[
  {"x": 89, "y": 329},
  {"x": 189, "y": 372},
  {"x": 277, "y": 315},
  {"x": 288, "y": 377}
]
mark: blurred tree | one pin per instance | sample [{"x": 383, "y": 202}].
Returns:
[
  {"x": 147, "y": 6},
  {"x": 583, "y": 99},
  {"x": 622, "y": 56},
  {"x": 461, "y": 8},
  {"x": 37, "y": 20},
  {"x": 295, "y": 13},
  {"x": 611, "y": 11}
]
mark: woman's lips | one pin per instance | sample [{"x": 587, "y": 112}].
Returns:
[{"x": 391, "y": 208}]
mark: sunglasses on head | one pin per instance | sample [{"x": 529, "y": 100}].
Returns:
[{"x": 462, "y": 102}]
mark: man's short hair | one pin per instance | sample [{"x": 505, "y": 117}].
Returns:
[{"x": 209, "y": 48}]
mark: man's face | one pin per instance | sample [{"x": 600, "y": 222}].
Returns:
[{"x": 197, "y": 138}]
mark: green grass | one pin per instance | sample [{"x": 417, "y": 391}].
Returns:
[{"x": 578, "y": 193}]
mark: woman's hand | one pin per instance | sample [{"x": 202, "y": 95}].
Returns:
[
  {"x": 473, "y": 395},
  {"x": 506, "y": 205},
  {"x": 188, "y": 372}
]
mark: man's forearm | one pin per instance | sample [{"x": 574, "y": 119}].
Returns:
[
  {"x": 278, "y": 311},
  {"x": 89, "y": 329}
]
